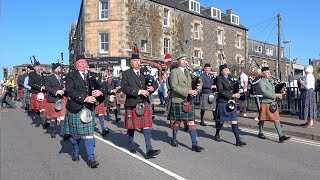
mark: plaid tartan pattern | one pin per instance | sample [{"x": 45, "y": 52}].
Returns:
[
  {"x": 133, "y": 121},
  {"x": 266, "y": 115},
  {"x": 120, "y": 100},
  {"x": 20, "y": 94},
  {"x": 35, "y": 104},
  {"x": 52, "y": 113},
  {"x": 75, "y": 127},
  {"x": 204, "y": 103},
  {"x": 26, "y": 95},
  {"x": 176, "y": 113},
  {"x": 65, "y": 128},
  {"x": 99, "y": 108},
  {"x": 224, "y": 115}
]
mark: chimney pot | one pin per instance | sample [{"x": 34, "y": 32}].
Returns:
[{"x": 229, "y": 11}]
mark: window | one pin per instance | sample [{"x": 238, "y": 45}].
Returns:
[
  {"x": 197, "y": 57},
  {"x": 194, "y": 6},
  {"x": 104, "y": 42},
  {"x": 143, "y": 46},
  {"x": 234, "y": 19},
  {"x": 239, "y": 41},
  {"x": 258, "y": 49},
  {"x": 220, "y": 59},
  {"x": 282, "y": 54},
  {"x": 220, "y": 37},
  {"x": 166, "y": 18},
  {"x": 166, "y": 46},
  {"x": 215, "y": 13},
  {"x": 197, "y": 31},
  {"x": 269, "y": 51},
  {"x": 103, "y": 10}
]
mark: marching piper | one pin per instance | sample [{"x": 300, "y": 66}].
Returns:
[
  {"x": 182, "y": 107},
  {"x": 56, "y": 103},
  {"x": 137, "y": 106},
  {"x": 79, "y": 119}
]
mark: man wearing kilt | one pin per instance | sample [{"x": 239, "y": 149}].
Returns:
[
  {"x": 207, "y": 87},
  {"x": 267, "y": 90},
  {"x": 36, "y": 82},
  {"x": 182, "y": 107},
  {"x": 137, "y": 106},
  {"x": 79, "y": 118},
  {"x": 55, "y": 91},
  {"x": 226, "y": 93},
  {"x": 111, "y": 88},
  {"x": 26, "y": 90}
]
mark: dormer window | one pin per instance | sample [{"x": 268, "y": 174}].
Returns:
[
  {"x": 215, "y": 13},
  {"x": 194, "y": 6},
  {"x": 234, "y": 19},
  {"x": 258, "y": 49},
  {"x": 269, "y": 51}
]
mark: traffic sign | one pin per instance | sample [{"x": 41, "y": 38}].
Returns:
[{"x": 167, "y": 60}]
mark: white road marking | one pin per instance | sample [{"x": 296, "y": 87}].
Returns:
[
  {"x": 176, "y": 176},
  {"x": 274, "y": 135}
]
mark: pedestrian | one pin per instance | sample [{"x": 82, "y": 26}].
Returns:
[
  {"x": 309, "y": 103},
  {"x": 243, "y": 79},
  {"x": 137, "y": 106},
  {"x": 226, "y": 106},
  {"x": 182, "y": 102},
  {"x": 20, "y": 81},
  {"x": 79, "y": 120},
  {"x": 56, "y": 103},
  {"x": 207, "y": 98},
  {"x": 161, "y": 92},
  {"x": 269, "y": 110}
]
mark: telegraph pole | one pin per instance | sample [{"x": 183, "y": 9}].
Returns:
[{"x": 279, "y": 47}]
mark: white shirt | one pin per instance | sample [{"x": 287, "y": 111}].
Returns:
[
  {"x": 182, "y": 69},
  {"x": 243, "y": 79},
  {"x": 309, "y": 81}
]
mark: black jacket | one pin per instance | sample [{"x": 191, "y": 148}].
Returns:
[
  {"x": 225, "y": 89},
  {"x": 77, "y": 90},
  {"x": 207, "y": 82},
  {"x": 21, "y": 80},
  {"x": 131, "y": 84},
  {"x": 35, "y": 82},
  {"x": 52, "y": 86}
]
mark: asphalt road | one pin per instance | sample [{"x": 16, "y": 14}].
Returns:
[{"x": 27, "y": 152}]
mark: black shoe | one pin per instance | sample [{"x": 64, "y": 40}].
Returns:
[
  {"x": 283, "y": 138},
  {"x": 66, "y": 137},
  {"x": 118, "y": 119},
  {"x": 151, "y": 153},
  {"x": 75, "y": 157},
  {"x": 53, "y": 135},
  {"x": 197, "y": 148},
  {"x": 45, "y": 125},
  {"x": 173, "y": 143},
  {"x": 132, "y": 150},
  {"x": 261, "y": 136},
  {"x": 217, "y": 138},
  {"x": 240, "y": 143},
  {"x": 105, "y": 132},
  {"x": 304, "y": 124},
  {"x": 93, "y": 163},
  {"x": 37, "y": 124},
  {"x": 203, "y": 124},
  {"x": 153, "y": 117}
]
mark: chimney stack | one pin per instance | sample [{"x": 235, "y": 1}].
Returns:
[{"x": 229, "y": 11}]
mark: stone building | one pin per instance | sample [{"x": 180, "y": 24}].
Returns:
[
  {"x": 17, "y": 70},
  {"x": 106, "y": 30}
]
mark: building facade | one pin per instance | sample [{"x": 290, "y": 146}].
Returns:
[
  {"x": 108, "y": 29},
  {"x": 45, "y": 68}
]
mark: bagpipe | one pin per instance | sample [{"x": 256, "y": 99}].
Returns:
[
  {"x": 232, "y": 103},
  {"x": 195, "y": 78}
]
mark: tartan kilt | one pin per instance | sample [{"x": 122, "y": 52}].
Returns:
[
  {"x": 74, "y": 126},
  {"x": 204, "y": 103},
  {"x": 52, "y": 113},
  {"x": 120, "y": 100},
  {"x": 223, "y": 115},
  {"x": 99, "y": 108},
  {"x": 266, "y": 115},
  {"x": 37, "y": 105},
  {"x": 133, "y": 121},
  {"x": 26, "y": 95},
  {"x": 20, "y": 94},
  {"x": 177, "y": 114}
]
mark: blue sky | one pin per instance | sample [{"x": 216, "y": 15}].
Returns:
[{"x": 41, "y": 27}]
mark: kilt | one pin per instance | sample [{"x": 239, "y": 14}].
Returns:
[
  {"x": 223, "y": 115},
  {"x": 52, "y": 113},
  {"x": 26, "y": 95},
  {"x": 204, "y": 102},
  {"x": 120, "y": 100},
  {"x": 20, "y": 94},
  {"x": 133, "y": 121},
  {"x": 266, "y": 115},
  {"x": 177, "y": 114},
  {"x": 99, "y": 108},
  {"x": 74, "y": 126},
  {"x": 35, "y": 104}
]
